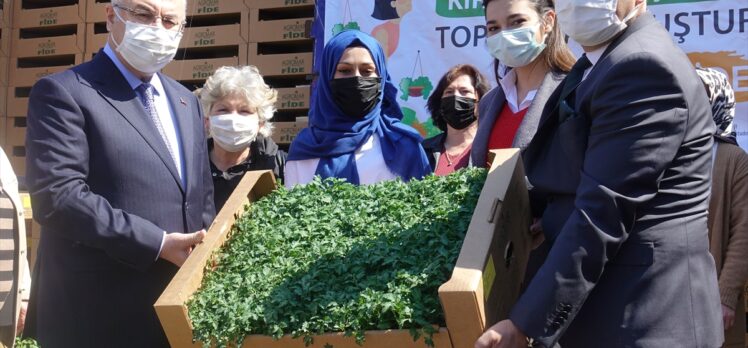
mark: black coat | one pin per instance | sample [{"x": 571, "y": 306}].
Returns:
[{"x": 264, "y": 155}]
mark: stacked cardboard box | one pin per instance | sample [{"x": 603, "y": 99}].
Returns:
[
  {"x": 281, "y": 45},
  {"x": 46, "y": 37},
  {"x": 216, "y": 36},
  {"x": 96, "y": 30},
  {"x": 6, "y": 10}
]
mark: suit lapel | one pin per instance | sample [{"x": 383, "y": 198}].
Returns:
[
  {"x": 182, "y": 114},
  {"x": 112, "y": 86},
  {"x": 531, "y": 121}
]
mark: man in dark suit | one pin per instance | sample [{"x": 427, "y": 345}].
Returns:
[
  {"x": 120, "y": 182},
  {"x": 623, "y": 158}
]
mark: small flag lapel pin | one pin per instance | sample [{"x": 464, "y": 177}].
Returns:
[{"x": 181, "y": 100}]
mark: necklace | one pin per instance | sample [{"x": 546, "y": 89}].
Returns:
[{"x": 449, "y": 160}]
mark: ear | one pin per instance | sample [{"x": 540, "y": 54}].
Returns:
[
  {"x": 549, "y": 20},
  {"x": 110, "y": 16}
]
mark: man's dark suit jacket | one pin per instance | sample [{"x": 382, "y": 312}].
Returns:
[
  {"x": 104, "y": 188},
  {"x": 626, "y": 180}
]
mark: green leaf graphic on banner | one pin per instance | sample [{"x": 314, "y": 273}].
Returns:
[
  {"x": 666, "y": 2},
  {"x": 459, "y": 8}
]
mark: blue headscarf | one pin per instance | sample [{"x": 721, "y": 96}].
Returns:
[{"x": 333, "y": 137}]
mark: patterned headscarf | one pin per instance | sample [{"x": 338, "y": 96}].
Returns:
[{"x": 722, "y": 98}]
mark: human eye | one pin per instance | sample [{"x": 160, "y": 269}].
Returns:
[{"x": 170, "y": 22}]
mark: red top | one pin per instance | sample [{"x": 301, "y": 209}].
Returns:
[
  {"x": 447, "y": 164},
  {"x": 505, "y": 128}
]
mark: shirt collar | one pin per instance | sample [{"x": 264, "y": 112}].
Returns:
[
  {"x": 132, "y": 80},
  {"x": 509, "y": 86},
  {"x": 594, "y": 56}
]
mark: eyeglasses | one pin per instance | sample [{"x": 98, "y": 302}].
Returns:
[{"x": 148, "y": 18}]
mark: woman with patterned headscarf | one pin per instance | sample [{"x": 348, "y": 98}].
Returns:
[
  {"x": 728, "y": 215},
  {"x": 354, "y": 129}
]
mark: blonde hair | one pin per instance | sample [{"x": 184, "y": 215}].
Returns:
[{"x": 244, "y": 81}]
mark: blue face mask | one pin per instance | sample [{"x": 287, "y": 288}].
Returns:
[{"x": 516, "y": 47}]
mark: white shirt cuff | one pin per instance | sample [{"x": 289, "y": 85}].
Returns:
[{"x": 163, "y": 239}]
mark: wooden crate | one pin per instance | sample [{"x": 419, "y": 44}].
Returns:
[{"x": 484, "y": 277}]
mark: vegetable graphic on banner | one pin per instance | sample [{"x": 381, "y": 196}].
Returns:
[
  {"x": 350, "y": 25},
  {"x": 416, "y": 87},
  {"x": 388, "y": 33},
  {"x": 427, "y": 128}
]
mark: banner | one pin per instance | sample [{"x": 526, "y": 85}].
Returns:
[
  {"x": 424, "y": 38},
  {"x": 714, "y": 34}
]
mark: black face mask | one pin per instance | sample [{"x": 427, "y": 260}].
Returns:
[
  {"x": 356, "y": 96},
  {"x": 458, "y": 112}
]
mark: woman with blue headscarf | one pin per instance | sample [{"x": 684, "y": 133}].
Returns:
[{"x": 354, "y": 130}]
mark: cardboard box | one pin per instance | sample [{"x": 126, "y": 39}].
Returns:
[
  {"x": 485, "y": 282},
  {"x": 201, "y": 69},
  {"x": 6, "y": 11},
  {"x": 95, "y": 37},
  {"x": 278, "y": 30},
  {"x": 2, "y": 131},
  {"x": 5, "y": 39},
  {"x": 27, "y": 76},
  {"x": 4, "y": 70},
  {"x": 49, "y": 46},
  {"x": 217, "y": 35},
  {"x": 293, "y": 98},
  {"x": 96, "y": 10},
  {"x": 15, "y": 131},
  {"x": 286, "y": 64},
  {"x": 278, "y": 4},
  {"x": 286, "y": 132},
  {"x": 17, "y": 157},
  {"x": 3, "y": 102},
  {"x": 213, "y": 7},
  {"x": 48, "y": 16},
  {"x": 17, "y": 101}
]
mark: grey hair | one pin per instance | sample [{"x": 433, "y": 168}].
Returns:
[
  {"x": 244, "y": 81},
  {"x": 119, "y": 2}
]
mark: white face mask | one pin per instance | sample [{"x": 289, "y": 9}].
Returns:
[
  {"x": 516, "y": 47},
  {"x": 234, "y": 132},
  {"x": 147, "y": 49},
  {"x": 591, "y": 22}
]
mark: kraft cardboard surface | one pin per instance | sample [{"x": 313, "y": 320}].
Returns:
[
  {"x": 286, "y": 64},
  {"x": 17, "y": 157},
  {"x": 6, "y": 11},
  {"x": 5, "y": 39},
  {"x": 278, "y": 4},
  {"x": 15, "y": 105},
  {"x": 49, "y": 46},
  {"x": 94, "y": 41},
  {"x": 96, "y": 10},
  {"x": 4, "y": 71},
  {"x": 278, "y": 30},
  {"x": 201, "y": 69},
  {"x": 46, "y": 17},
  {"x": 212, "y": 7},
  {"x": 20, "y": 76},
  {"x": 293, "y": 98},
  {"x": 217, "y": 35},
  {"x": 495, "y": 251},
  {"x": 2, "y": 130},
  {"x": 15, "y": 131}
]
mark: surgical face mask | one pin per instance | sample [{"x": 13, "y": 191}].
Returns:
[
  {"x": 458, "y": 112},
  {"x": 516, "y": 47},
  {"x": 356, "y": 96},
  {"x": 591, "y": 22},
  {"x": 234, "y": 132},
  {"x": 146, "y": 48}
]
